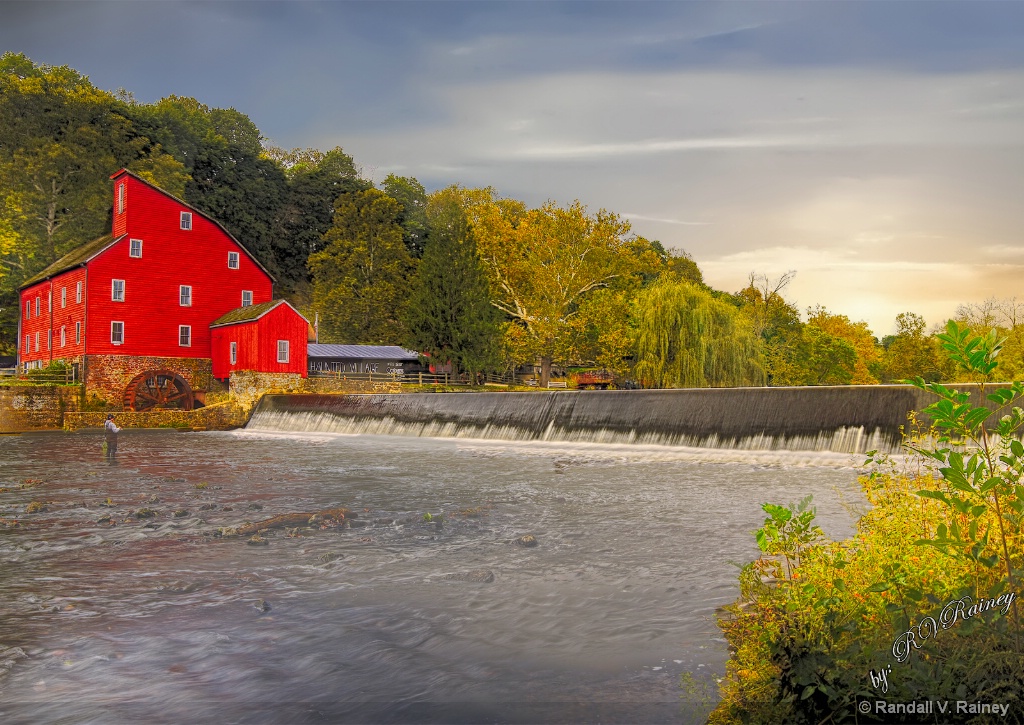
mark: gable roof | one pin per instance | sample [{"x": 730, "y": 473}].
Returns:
[
  {"x": 251, "y": 312},
  {"x": 74, "y": 258},
  {"x": 373, "y": 352},
  {"x": 204, "y": 215}
]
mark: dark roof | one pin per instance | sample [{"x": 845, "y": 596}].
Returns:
[
  {"x": 74, "y": 258},
  {"x": 362, "y": 352},
  {"x": 250, "y": 313}
]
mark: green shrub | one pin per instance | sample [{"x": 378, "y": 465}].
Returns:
[{"x": 876, "y": 616}]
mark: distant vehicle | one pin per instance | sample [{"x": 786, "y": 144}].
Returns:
[{"x": 594, "y": 380}]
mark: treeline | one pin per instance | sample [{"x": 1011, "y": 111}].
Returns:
[{"x": 460, "y": 274}]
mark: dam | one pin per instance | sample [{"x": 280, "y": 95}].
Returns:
[{"x": 847, "y": 419}]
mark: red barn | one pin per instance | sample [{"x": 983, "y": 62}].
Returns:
[
  {"x": 133, "y": 309},
  {"x": 260, "y": 337}
]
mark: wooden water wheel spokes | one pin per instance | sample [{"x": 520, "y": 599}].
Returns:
[{"x": 155, "y": 389}]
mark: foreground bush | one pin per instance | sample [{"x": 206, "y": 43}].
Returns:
[{"x": 920, "y": 607}]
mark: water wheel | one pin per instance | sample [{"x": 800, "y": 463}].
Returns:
[{"x": 155, "y": 389}]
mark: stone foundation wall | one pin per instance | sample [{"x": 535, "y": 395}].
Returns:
[
  {"x": 107, "y": 376},
  {"x": 36, "y": 407},
  {"x": 247, "y": 386},
  {"x": 222, "y": 416}
]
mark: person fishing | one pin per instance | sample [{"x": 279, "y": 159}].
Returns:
[{"x": 110, "y": 431}]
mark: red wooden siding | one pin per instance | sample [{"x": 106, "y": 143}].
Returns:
[
  {"x": 171, "y": 257},
  {"x": 257, "y": 343}
]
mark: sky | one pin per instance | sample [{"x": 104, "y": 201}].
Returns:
[{"x": 877, "y": 149}]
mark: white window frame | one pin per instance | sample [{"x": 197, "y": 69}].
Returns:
[
  {"x": 37, "y": 306},
  {"x": 233, "y": 258},
  {"x": 233, "y": 349},
  {"x": 28, "y": 310},
  {"x": 78, "y": 333},
  {"x": 28, "y": 344},
  {"x": 49, "y": 339},
  {"x": 185, "y": 220},
  {"x": 78, "y": 293},
  {"x": 185, "y": 333},
  {"x": 121, "y": 200},
  {"x": 185, "y": 295},
  {"x": 37, "y": 340},
  {"x": 114, "y": 297},
  {"x": 63, "y": 336},
  {"x": 247, "y": 298},
  {"x": 282, "y": 347},
  {"x": 116, "y": 332},
  {"x": 63, "y": 297},
  {"x": 135, "y": 245}
]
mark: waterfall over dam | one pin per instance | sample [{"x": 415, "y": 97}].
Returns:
[{"x": 849, "y": 419}]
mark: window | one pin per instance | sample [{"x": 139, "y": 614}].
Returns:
[
  {"x": 49, "y": 339},
  {"x": 49, "y": 301},
  {"x": 185, "y": 335},
  {"x": 282, "y": 351},
  {"x": 117, "y": 290},
  {"x": 117, "y": 333},
  {"x": 135, "y": 248},
  {"x": 186, "y": 220},
  {"x": 37, "y": 307},
  {"x": 28, "y": 311},
  {"x": 78, "y": 293},
  {"x": 63, "y": 336},
  {"x": 28, "y": 343},
  {"x": 63, "y": 297},
  {"x": 121, "y": 191},
  {"x": 246, "y": 298},
  {"x": 78, "y": 333},
  {"x": 234, "y": 353},
  {"x": 185, "y": 295},
  {"x": 232, "y": 260},
  {"x": 37, "y": 341}
]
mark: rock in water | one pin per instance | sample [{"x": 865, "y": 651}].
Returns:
[
  {"x": 261, "y": 605},
  {"x": 527, "y": 541}
]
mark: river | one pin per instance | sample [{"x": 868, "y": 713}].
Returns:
[{"x": 394, "y": 618}]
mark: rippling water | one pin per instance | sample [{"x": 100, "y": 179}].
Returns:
[{"x": 153, "y": 620}]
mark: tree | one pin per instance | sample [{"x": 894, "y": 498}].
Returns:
[
  {"x": 777, "y": 324},
  {"x": 688, "y": 338},
  {"x": 910, "y": 353},
  {"x": 857, "y": 335},
  {"x": 361, "y": 275},
  {"x": 450, "y": 315},
  {"x": 1006, "y": 317},
  {"x": 413, "y": 197},
  {"x": 830, "y": 360},
  {"x": 544, "y": 264},
  {"x": 315, "y": 182}
]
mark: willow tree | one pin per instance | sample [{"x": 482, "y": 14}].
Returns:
[{"x": 688, "y": 338}]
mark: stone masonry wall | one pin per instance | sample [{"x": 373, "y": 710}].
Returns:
[
  {"x": 107, "y": 376},
  {"x": 222, "y": 416},
  {"x": 248, "y": 386},
  {"x": 36, "y": 407}
]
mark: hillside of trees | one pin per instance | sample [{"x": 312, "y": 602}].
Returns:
[{"x": 458, "y": 273}]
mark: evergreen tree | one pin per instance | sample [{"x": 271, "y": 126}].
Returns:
[
  {"x": 361, "y": 276},
  {"x": 450, "y": 315}
]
